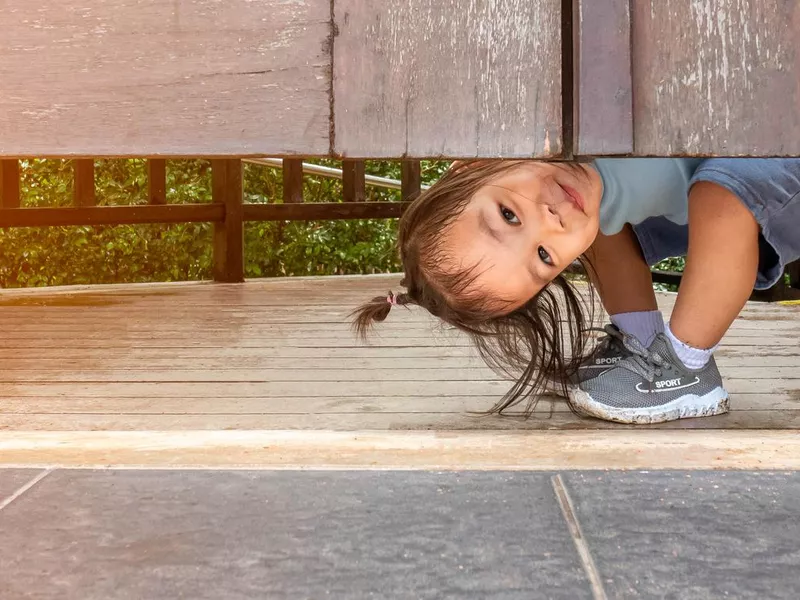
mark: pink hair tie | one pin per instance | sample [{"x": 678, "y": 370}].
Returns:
[{"x": 391, "y": 299}]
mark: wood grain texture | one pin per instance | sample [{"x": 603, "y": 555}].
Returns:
[
  {"x": 467, "y": 78},
  {"x": 292, "y": 174},
  {"x": 353, "y": 185},
  {"x": 603, "y": 104},
  {"x": 716, "y": 78},
  {"x": 279, "y": 354},
  {"x": 84, "y": 192},
  {"x": 429, "y": 450},
  {"x": 178, "y": 78},
  {"x": 111, "y": 215},
  {"x": 188, "y": 213},
  {"x": 226, "y": 189},
  {"x": 157, "y": 181},
  {"x": 410, "y": 179},
  {"x": 324, "y": 211}
]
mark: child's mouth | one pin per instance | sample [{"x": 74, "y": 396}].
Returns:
[{"x": 574, "y": 197}]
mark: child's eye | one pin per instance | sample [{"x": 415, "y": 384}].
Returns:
[
  {"x": 509, "y": 216},
  {"x": 545, "y": 256}
]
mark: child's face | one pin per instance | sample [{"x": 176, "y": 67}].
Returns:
[{"x": 526, "y": 226}]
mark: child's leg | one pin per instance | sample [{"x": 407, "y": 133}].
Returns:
[
  {"x": 622, "y": 278},
  {"x": 721, "y": 266},
  {"x": 621, "y": 275}
]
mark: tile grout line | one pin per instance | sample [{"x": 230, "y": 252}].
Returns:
[
  {"x": 25, "y": 488},
  {"x": 568, "y": 510}
]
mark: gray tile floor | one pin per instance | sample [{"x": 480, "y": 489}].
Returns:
[{"x": 400, "y": 534}]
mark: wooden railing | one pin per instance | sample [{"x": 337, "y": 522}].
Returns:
[{"x": 227, "y": 210}]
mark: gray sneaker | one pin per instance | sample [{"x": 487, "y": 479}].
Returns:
[
  {"x": 608, "y": 352},
  {"x": 651, "y": 386}
]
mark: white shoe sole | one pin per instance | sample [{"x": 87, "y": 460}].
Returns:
[{"x": 713, "y": 403}]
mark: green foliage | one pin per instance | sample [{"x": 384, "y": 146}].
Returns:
[{"x": 140, "y": 253}]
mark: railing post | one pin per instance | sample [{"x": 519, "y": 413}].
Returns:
[
  {"x": 157, "y": 181},
  {"x": 411, "y": 180},
  {"x": 84, "y": 182},
  {"x": 292, "y": 180},
  {"x": 9, "y": 183},
  {"x": 355, "y": 188},
  {"x": 226, "y": 189}
]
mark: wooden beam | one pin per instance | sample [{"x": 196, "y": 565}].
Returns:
[
  {"x": 157, "y": 181},
  {"x": 292, "y": 180},
  {"x": 232, "y": 78},
  {"x": 226, "y": 187},
  {"x": 197, "y": 213},
  {"x": 426, "y": 450},
  {"x": 722, "y": 82},
  {"x": 425, "y": 78},
  {"x": 84, "y": 190},
  {"x": 111, "y": 215},
  {"x": 355, "y": 188},
  {"x": 9, "y": 184},
  {"x": 602, "y": 97},
  {"x": 324, "y": 211},
  {"x": 411, "y": 179}
]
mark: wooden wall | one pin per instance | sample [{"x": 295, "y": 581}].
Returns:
[{"x": 394, "y": 78}]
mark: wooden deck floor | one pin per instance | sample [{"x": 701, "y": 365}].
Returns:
[{"x": 278, "y": 355}]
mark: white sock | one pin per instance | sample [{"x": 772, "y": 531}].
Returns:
[
  {"x": 692, "y": 358},
  {"x": 644, "y": 325}
]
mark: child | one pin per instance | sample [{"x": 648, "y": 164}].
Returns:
[{"x": 485, "y": 249}]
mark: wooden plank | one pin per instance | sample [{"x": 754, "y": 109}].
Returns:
[
  {"x": 321, "y": 405},
  {"x": 9, "y": 184},
  {"x": 292, "y": 180},
  {"x": 154, "y": 78},
  {"x": 229, "y": 233},
  {"x": 222, "y": 352},
  {"x": 411, "y": 179},
  {"x": 355, "y": 187},
  {"x": 111, "y": 215},
  {"x": 602, "y": 97},
  {"x": 299, "y": 331},
  {"x": 324, "y": 211},
  {"x": 344, "y": 371},
  {"x": 174, "y": 213},
  {"x": 716, "y": 78},
  {"x": 459, "y": 405},
  {"x": 419, "y": 78},
  {"x": 157, "y": 181},
  {"x": 443, "y": 424},
  {"x": 426, "y": 450},
  {"x": 260, "y": 346},
  {"x": 300, "y": 389},
  {"x": 84, "y": 192},
  {"x": 85, "y": 364}
]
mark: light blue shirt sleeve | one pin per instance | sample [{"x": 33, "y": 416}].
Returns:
[{"x": 635, "y": 189}]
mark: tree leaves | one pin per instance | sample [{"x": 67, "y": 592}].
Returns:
[{"x": 141, "y": 253}]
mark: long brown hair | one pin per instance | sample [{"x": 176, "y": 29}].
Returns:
[{"x": 539, "y": 344}]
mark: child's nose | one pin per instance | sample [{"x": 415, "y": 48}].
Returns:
[{"x": 550, "y": 219}]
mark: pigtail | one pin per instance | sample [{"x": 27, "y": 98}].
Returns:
[{"x": 376, "y": 310}]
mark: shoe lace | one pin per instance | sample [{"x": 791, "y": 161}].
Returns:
[
  {"x": 611, "y": 336},
  {"x": 641, "y": 361}
]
